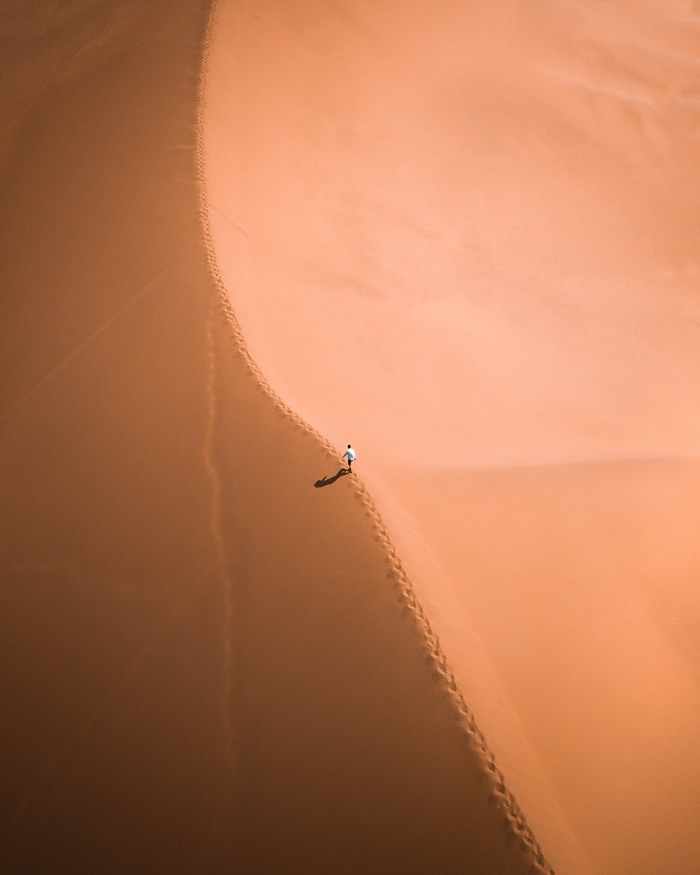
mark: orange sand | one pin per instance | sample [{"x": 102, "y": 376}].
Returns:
[
  {"x": 465, "y": 238},
  {"x": 207, "y": 665}
]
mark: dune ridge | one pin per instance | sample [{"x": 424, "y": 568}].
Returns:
[
  {"x": 467, "y": 242},
  {"x": 514, "y": 819},
  {"x": 205, "y": 665},
  {"x": 209, "y": 665}
]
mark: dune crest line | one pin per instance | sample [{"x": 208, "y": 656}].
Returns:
[{"x": 514, "y": 821}]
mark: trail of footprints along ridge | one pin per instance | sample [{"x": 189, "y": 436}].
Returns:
[{"x": 514, "y": 821}]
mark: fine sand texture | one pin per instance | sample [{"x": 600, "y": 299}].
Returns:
[
  {"x": 206, "y": 664},
  {"x": 464, "y": 237}
]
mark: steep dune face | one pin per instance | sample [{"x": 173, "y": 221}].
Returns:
[
  {"x": 111, "y": 673},
  {"x": 206, "y": 663},
  {"x": 467, "y": 242},
  {"x": 513, "y": 189}
]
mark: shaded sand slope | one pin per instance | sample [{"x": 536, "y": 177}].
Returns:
[
  {"x": 206, "y": 663},
  {"x": 466, "y": 240},
  {"x": 110, "y": 633}
]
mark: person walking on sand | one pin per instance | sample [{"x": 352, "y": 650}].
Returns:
[{"x": 351, "y": 455}]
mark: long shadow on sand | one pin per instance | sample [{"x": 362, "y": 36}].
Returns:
[{"x": 326, "y": 481}]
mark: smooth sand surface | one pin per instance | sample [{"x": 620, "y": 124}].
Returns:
[
  {"x": 465, "y": 238},
  {"x": 206, "y": 664}
]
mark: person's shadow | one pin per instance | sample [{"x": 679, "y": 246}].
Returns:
[{"x": 326, "y": 481}]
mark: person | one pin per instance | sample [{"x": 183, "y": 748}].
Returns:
[{"x": 351, "y": 455}]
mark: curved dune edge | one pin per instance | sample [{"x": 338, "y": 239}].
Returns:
[
  {"x": 359, "y": 189},
  {"x": 514, "y": 819},
  {"x": 130, "y": 747}
]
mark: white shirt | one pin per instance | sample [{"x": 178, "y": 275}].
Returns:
[{"x": 351, "y": 454}]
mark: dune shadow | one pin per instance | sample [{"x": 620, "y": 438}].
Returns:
[{"x": 326, "y": 481}]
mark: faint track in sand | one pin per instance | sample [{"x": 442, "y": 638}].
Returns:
[
  {"x": 218, "y": 540},
  {"x": 514, "y": 821}
]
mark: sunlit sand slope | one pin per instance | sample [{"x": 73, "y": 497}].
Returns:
[
  {"x": 206, "y": 663},
  {"x": 464, "y": 237}
]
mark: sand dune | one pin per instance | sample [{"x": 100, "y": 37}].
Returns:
[
  {"x": 207, "y": 664},
  {"x": 468, "y": 243}
]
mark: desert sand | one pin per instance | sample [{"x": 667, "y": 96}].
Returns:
[
  {"x": 207, "y": 664},
  {"x": 464, "y": 237},
  {"x": 237, "y": 236}
]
